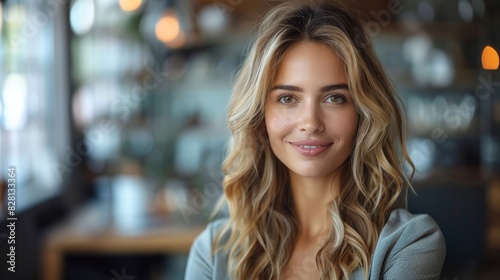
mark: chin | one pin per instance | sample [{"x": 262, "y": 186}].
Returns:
[
  {"x": 318, "y": 170},
  {"x": 311, "y": 172}
]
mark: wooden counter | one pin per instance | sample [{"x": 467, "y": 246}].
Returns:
[{"x": 83, "y": 234}]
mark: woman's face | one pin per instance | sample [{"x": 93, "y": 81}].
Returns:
[{"x": 310, "y": 115}]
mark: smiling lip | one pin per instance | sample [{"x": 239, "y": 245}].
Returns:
[{"x": 310, "y": 148}]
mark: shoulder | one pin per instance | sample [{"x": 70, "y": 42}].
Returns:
[
  {"x": 403, "y": 224},
  {"x": 410, "y": 245},
  {"x": 204, "y": 240},
  {"x": 201, "y": 263}
]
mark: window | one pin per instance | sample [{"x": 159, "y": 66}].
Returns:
[{"x": 34, "y": 135}]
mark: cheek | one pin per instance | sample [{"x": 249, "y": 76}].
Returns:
[
  {"x": 277, "y": 124},
  {"x": 347, "y": 125}
]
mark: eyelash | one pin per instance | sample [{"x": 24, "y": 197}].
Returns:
[
  {"x": 343, "y": 99},
  {"x": 282, "y": 96}
]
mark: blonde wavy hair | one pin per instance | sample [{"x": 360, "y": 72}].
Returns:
[{"x": 261, "y": 229}]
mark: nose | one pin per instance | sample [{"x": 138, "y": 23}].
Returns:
[{"x": 310, "y": 118}]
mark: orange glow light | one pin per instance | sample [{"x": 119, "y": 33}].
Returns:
[
  {"x": 179, "y": 41},
  {"x": 130, "y": 5},
  {"x": 489, "y": 58},
  {"x": 167, "y": 29}
]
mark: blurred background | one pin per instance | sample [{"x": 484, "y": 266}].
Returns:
[{"x": 112, "y": 125}]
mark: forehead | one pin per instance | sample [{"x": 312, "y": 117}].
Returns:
[{"x": 311, "y": 63}]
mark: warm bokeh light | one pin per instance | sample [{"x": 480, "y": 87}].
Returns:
[
  {"x": 130, "y": 5},
  {"x": 489, "y": 58},
  {"x": 167, "y": 29},
  {"x": 178, "y": 42}
]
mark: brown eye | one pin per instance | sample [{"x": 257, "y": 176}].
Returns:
[
  {"x": 335, "y": 99},
  {"x": 286, "y": 99}
]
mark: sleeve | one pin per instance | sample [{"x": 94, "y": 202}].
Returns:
[
  {"x": 200, "y": 262},
  {"x": 419, "y": 253}
]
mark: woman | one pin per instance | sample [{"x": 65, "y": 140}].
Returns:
[{"x": 314, "y": 176}]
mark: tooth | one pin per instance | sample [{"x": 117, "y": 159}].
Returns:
[{"x": 309, "y": 147}]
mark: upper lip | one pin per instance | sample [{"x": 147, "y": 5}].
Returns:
[{"x": 310, "y": 143}]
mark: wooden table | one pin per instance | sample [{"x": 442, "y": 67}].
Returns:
[{"x": 83, "y": 234}]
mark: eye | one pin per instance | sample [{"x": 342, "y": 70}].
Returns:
[
  {"x": 286, "y": 99},
  {"x": 335, "y": 99}
]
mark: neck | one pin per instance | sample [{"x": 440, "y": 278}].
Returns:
[{"x": 310, "y": 198}]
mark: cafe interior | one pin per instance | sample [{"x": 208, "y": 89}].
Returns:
[{"x": 113, "y": 125}]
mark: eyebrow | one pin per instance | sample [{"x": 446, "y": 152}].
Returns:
[{"x": 298, "y": 89}]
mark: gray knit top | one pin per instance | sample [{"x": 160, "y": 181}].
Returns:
[{"x": 409, "y": 247}]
